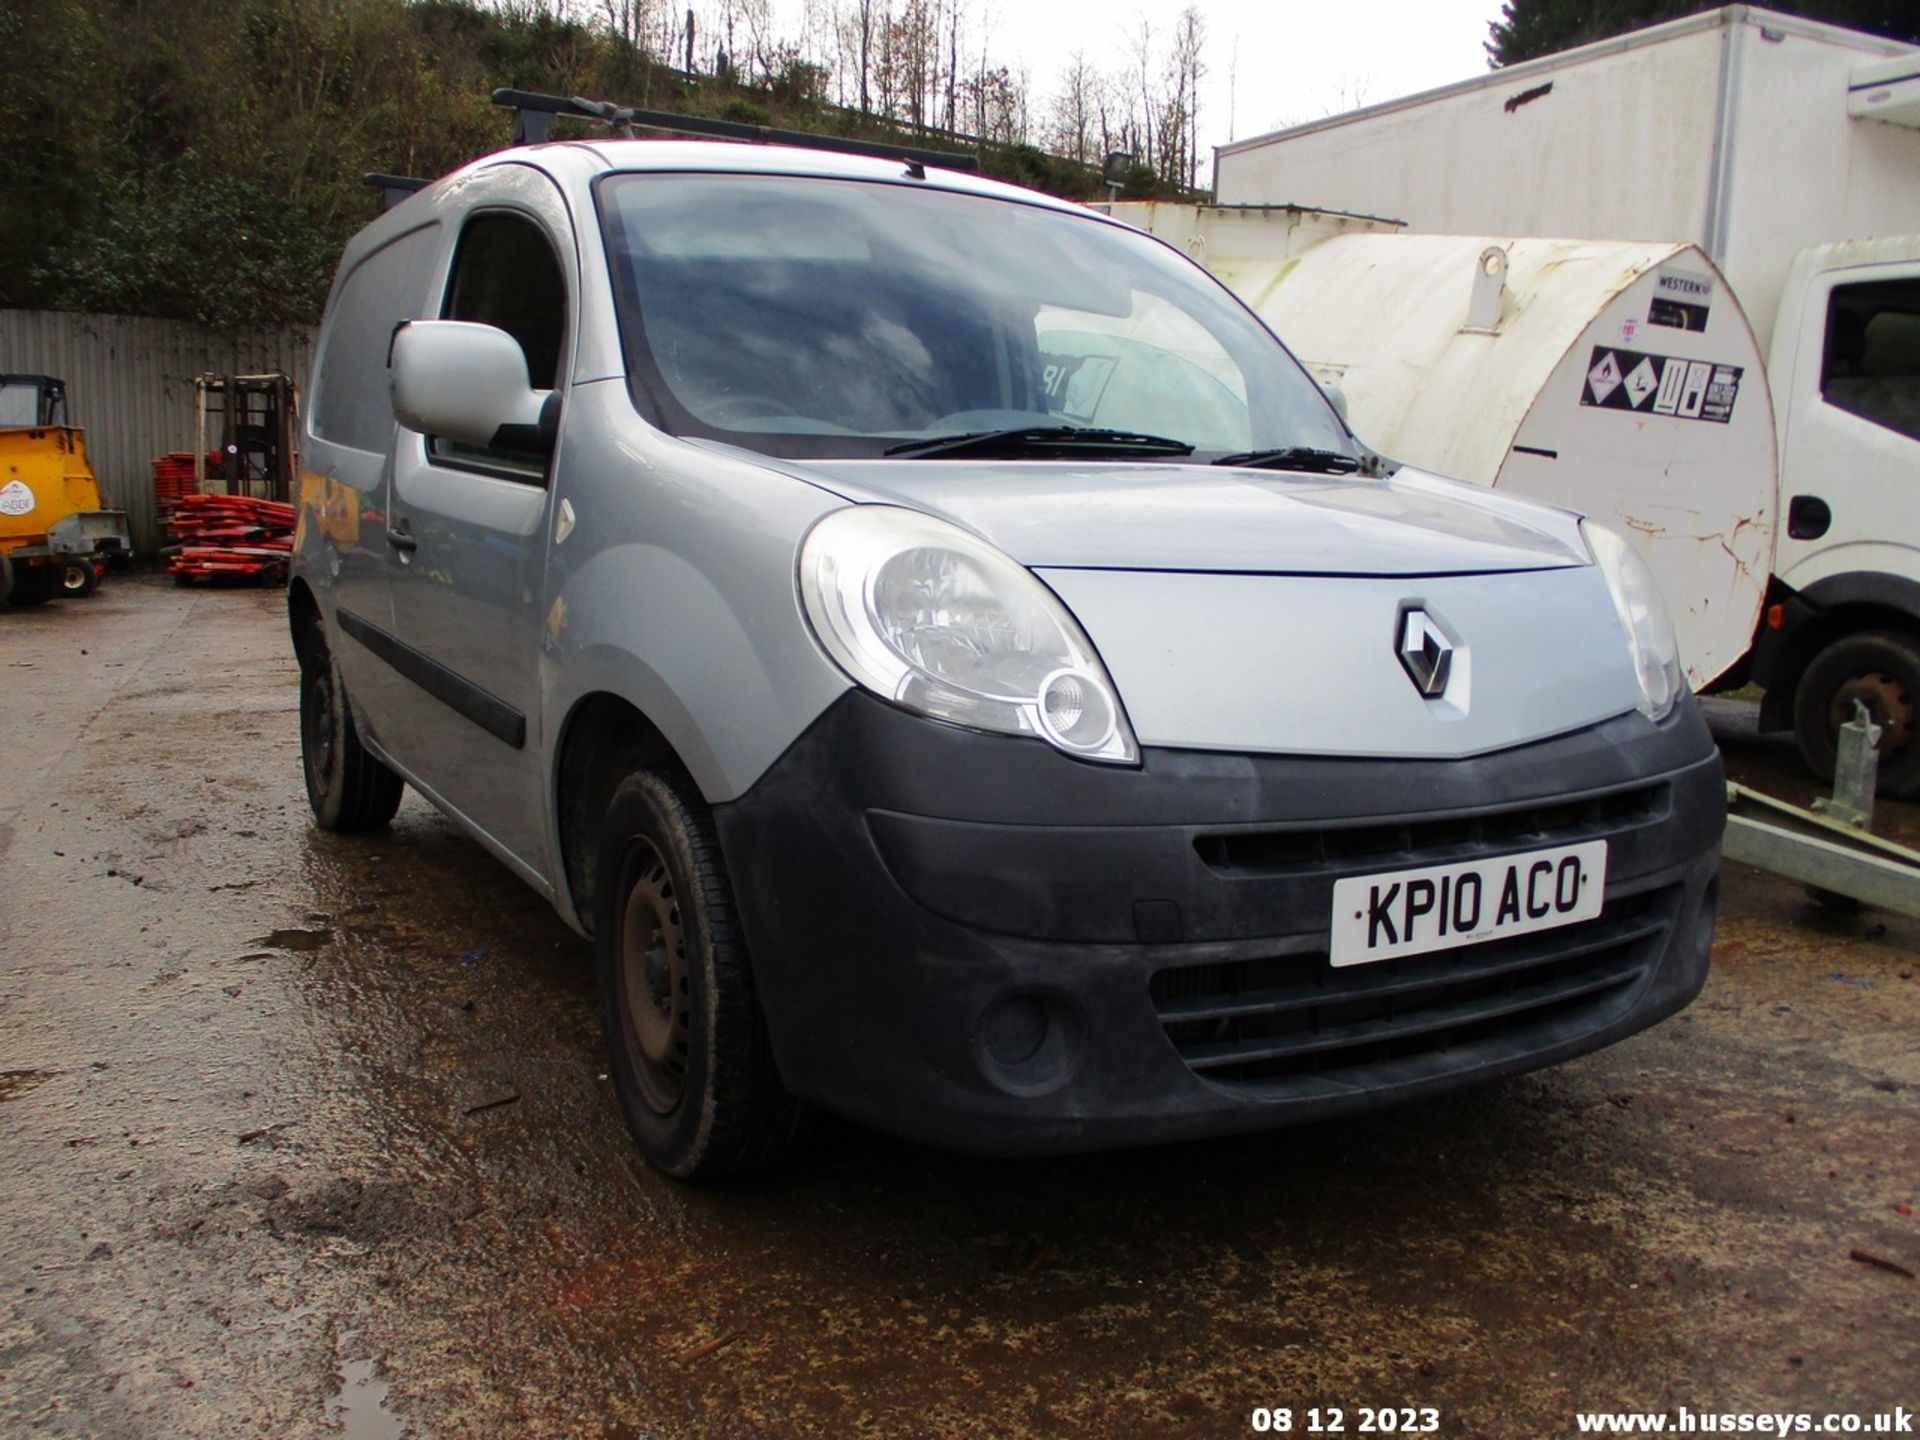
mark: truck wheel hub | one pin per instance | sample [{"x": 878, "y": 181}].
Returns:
[{"x": 1887, "y": 701}]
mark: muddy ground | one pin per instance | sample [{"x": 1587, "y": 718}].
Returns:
[{"x": 305, "y": 1135}]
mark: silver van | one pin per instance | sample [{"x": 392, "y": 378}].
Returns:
[{"x": 961, "y": 672}]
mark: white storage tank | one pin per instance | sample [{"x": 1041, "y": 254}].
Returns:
[{"x": 1620, "y": 379}]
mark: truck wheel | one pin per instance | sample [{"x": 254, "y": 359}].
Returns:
[
  {"x": 32, "y": 585},
  {"x": 1881, "y": 669},
  {"x": 692, "y": 1065},
  {"x": 77, "y": 578},
  {"x": 347, "y": 788}
]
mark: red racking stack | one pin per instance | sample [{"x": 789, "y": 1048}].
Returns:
[{"x": 229, "y": 536}]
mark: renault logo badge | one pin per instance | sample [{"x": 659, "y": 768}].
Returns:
[{"x": 1425, "y": 652}]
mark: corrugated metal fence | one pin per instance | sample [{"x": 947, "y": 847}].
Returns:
[{"x": 130, "y": 384}]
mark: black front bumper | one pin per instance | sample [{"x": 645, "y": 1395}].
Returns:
[{"x": 975, "y": 941}]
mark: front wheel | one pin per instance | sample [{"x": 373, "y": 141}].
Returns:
[
  {"x": 32, "y": 585},
  {"x": 1881, "y": 669},
  {"x": 346, "y": 786},
  {"x": 692, "y": 1065}
]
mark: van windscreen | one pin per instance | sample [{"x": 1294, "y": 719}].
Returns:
[{"x": 809, "y": 316}]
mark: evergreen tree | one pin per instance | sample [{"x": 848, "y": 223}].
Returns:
[{"x": 1530, "y": 28}]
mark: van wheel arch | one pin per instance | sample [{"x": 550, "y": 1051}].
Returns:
[
  {"x": 303, "y": 613},
  {"x": 1816, "y": 635},
  {"x": 604, "y": 740},
  {"x": 1880, "y": 668}
]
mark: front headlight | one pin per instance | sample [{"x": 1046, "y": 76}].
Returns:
[
  {"x": 941, "y": 623},
  {"x": 1636, "y": 596}
]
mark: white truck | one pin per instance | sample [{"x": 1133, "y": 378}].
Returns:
[{"x": 1788, "y": 152}]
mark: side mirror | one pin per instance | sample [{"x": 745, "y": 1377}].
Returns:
[{"x": 465, "y": 382}]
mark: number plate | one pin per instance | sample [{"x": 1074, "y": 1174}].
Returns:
[{"x": 1436, "y": 907}]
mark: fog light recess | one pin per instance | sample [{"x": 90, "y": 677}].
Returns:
[{"x": 1028, "y": 1043}]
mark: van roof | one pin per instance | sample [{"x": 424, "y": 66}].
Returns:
[
  {"x": 588, "y": 159},
  {"x": 573, "y": 165}
]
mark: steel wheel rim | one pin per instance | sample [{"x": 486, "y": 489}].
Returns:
[
  {"x": 73, "y": 580},
  {"x": 316, "y": 720},
  {"x": 655, "y": 993}
]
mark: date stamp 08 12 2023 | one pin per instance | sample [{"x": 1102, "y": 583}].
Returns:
[{"x": 1338, "y": 1420}]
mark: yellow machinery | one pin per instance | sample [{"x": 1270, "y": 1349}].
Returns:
[{"x": 53, "y": 531}]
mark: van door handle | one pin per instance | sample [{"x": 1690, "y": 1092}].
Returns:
[
  {"x": 401, "y": 538},
  {"x": 1808, "y": 517}
]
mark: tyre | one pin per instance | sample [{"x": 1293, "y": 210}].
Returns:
[
  {"x": 1882, "y": 670},
  {"x": 77, "y": 578},
  {"x": 32, "y": 585},
  {"x": 346, "y": 786},
  {"x": 692, "y": 1065}
]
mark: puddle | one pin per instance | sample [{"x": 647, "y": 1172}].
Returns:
[
  {"x": 294, "y": 939},
  {"x": 358, "y": 1407},
  {"x": 15, "y": 1083}
]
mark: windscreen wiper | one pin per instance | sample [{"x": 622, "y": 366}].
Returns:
[
  {"x": 1294, "y": 457},
  {"x": 1079, "y": 441}
]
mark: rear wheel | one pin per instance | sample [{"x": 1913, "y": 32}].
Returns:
[
  {"x": 692, "y": 1064},
  {"x": 77, "y": 578},
  {"x": 346, "y": 786},
  {"x": 1881, "y": 670}
]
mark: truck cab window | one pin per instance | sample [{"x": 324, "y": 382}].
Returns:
[
  {"x": 1872, "y": 362},
  {"x": 505, "y": 274}
]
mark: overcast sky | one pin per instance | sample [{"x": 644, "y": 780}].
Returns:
[{"x": 1270, "y": 63}]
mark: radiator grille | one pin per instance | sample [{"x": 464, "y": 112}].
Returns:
[
  {"x": 1297, "y": 1018},
  {"x": 1290, "y": 851}
]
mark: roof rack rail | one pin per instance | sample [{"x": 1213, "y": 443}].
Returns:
[
  {"x": 393, "y": 188},
  {"x": 534, "y": 115}
]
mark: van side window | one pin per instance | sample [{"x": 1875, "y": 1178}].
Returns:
[
  {"x": 352, "y": 407},
  {"x": 505, "y": 274},
  {"x": 1872, "y": 362}
]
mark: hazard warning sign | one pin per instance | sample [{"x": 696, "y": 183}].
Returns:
[
  {"x": 1603, "y": 379},
  {"x": 1620, "y": 379}
]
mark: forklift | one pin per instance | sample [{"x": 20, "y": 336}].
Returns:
[{"x": 248, "y": 428}]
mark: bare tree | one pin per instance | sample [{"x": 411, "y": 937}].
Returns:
[
  {"x": 1076, "y": 124},
  {"x": 1180, "y": 112},
  {"x": 954, "y": 8},
  {"x": 756, "y": 20},
  {"x": 629, "y": 20},
  {"x": 886, "y": 64},
  {"x": 1141, "y": 45},
  {"x": 856, "y": 32},
  {"x": 920, "y": 53}
]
